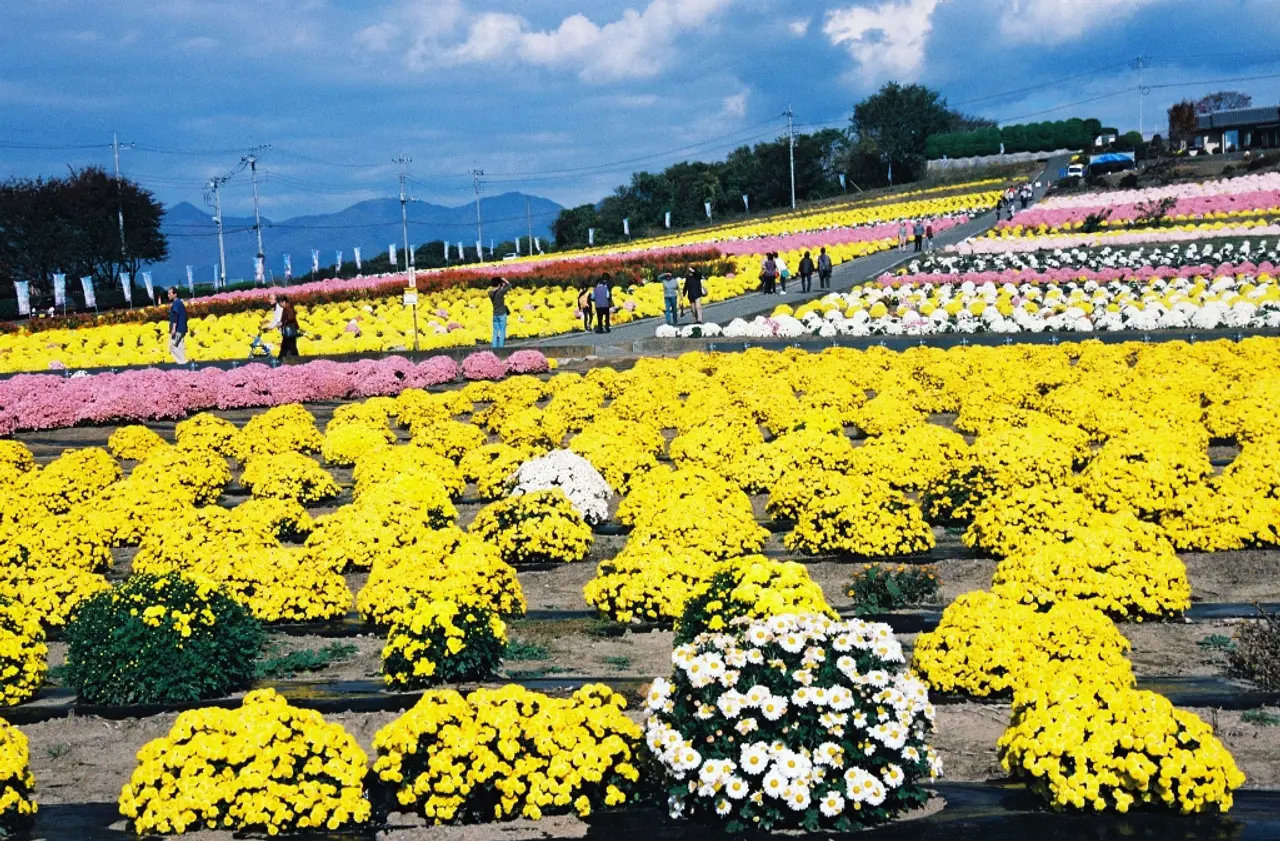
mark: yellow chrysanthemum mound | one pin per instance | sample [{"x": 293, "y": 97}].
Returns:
[
  {"x": 1084, "y": 743},
  {"x": 1014, "y": 519},
  {"x": 649, "y": 584},
  {"x": 202, "y": 473},
  {"x": 289, "y": 475},
  {"x": 284, "y": 518},
  {"x": 750, "y": 587},
  {"x": 1004, "y": 460},
  {"x": 986, "y": 644},
  {"x": 717, "y": 445},
  {"x": 863, "y": 518},
  {"x": 356, "y": 535},
  {"x": 266, "y": 766},
  {"x": 206, "y": 432},
  {"x": 17, "y": 785},
  {"x": 715, "y": 519},
  {"x": 913, "y": 458},
  {"x": 540, "y": 527},
  {"x": 806, "y": 450},
  {"x": 449, "y": 756},
  {"x": 490, "y": 466},
  {"x": 344, "y": 445},
  {"x": 440, "y": 641},
  {"x": 387, "y": 463},
  {"x": 134, "y": 442},
  {"x": 16, "y": 461},
  {"x": 1145, "y": 472},
  {"x": 439, "y": 564},
  {"x": 800, "y": 490},
  {"x": 74, "y": 477},
  {"x": 449, "y": 438},
  {"x": 889, "y": 412},
  {"x": 623, "y": 451},
  {"x": 1117, "y": 564},
  {"x": 24, "y": 657},
  {"x": 200, "y": 537},
  {"x": 281, "y": 429}
]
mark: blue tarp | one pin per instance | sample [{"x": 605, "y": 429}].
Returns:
[{"x": 1112, "y": 158}]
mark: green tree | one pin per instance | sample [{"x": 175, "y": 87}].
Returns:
[
  {"x": 899, "y": 120},
  {"x": 1223, "y": 101},
  {"x": 571, "y": 226}
]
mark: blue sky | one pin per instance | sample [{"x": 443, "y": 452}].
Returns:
[{"x": 553, "y": 97}]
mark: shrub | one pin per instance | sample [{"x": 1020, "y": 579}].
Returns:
[
  {"x": 571, "y": 474},
  {"x": 206, "y": 432},
  {"x": 284, "y": 518},
  {"x": 345, "y": 445},
  {"x": 265, "y": 766},
  {"x": 756, "y": 732},
  {"x": 289, "y": 476},
  {"x": 1088, "y": 744},
  {"x": 987, "y": 645},
  {"x": 535, "y": 528},
  {"x": 200, "y": 472},
  {"x": 54, "y": 594},
  {"x": 449, "y": 438},
  {"x": 17, "y": 785},
  {"x": 439, "y": 641},
  {"x": 483, "y": 365},
  {"x": 527, "y": 362},
  {"x": 755, "y": 588},
  {"x": 15, "y": 461},
  {"x": 877, "y": 588},
  {"x": 1256, "y": 656},
  {"x": 74, "y": 477},
  {"x": 283, "y": 429},
  {"x": 24, "y": 657},
  {"x": 506, "y": 753},
  {"x": 863, "y": 518},
  {"x": 160, "y": 639},
  {"x": 134, "y": 442},
  {"x": 383, "y": 465},
  {"x": 649, "y": 584},
  {"x": 490, "y": 467}
]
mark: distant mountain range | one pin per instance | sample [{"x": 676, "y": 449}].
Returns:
[{"x": 370, "y": 225}]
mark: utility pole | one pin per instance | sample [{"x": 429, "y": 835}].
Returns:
[
  {"x": 252, "y": 160},
  {"x": 216, "y": 185},
  {"x": 404, "y": 213},
  {"x": 476, "y": 175},
  {"x": 1140, "y": 64},
  {"x": 115, "y": 148},
  {"x": 791, "y": 137},
  {"x": 528, "y": 209}
]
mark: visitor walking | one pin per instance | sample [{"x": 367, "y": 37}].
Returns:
[
  {"x": 928, "y": 237},
  {"x": 498, "y": 289},
  {"x": 694, "y": 292},
  {"x": 604, "y": 304},
  {"x": 769, "y": 274},
  {"x": 806, "y": 272},
  {"x": 584, "y": 305},
  {"x": 902, "y": 235},
  {"x": 670, "y": 297},
  {"x": 918, "y": 230},
  {"x": 177, "y": 327},
  {"x": 783, "y": 272},
  {"x": 824, "y": 269},
  {"x": 289, "y": 329}
]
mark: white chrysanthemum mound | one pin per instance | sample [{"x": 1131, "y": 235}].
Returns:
[
  {"x": 793, "y": 722},
  {"x": 571, "y": 473}
]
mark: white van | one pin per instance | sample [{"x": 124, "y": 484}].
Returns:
[{"x": 1075, "y": 171}]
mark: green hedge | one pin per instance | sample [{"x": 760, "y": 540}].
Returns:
[{"x": 1027, "y": 137}]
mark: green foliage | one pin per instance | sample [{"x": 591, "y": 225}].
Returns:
[
  {"x": 443, "y": 642},
  {"x": 522, "y": 651},
  {"x": 1074, "y": 133},
  {"x": 1093, "y": 222},
  {"x": 1217, "y": 642},
  {"x": 161, "y": 639},
  {"x": 1262, "y": 718},
  {"x": 1153, "y": 213},
  {"x": 877, "y": 588},
  {"x": 1256, "y": 655},
  {"x": 619, "y": 663},
  {"x": 307, "y": 660}
]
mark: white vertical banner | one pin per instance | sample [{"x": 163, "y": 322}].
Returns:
[
  {"x": 462, "y": 255},
  {"x": 391, "y": 255},
  {"x": 315, "y": 261},
  {"x": 191, "y": 280},
  {"x": 23, "y": 290},
  {"x": 413, "y": 249},
  {"x": 746, "y": 202},
  {"x": 357, "y": 253},
  {"x": 146, "y": 281},
  {"x": 446, "y": 251},
  {"x": 215, "y": 275},
  {"x": 591, "y": 236},
  {"x": 518, "y": 244},
  {"x": 480, "y": 251},
  {"x": 844, "y": 181},
  {"x": 259, "y": 270},
  {"x": 288, "y": 268},
  {"x": 707, "y": 205},
  {"x": 626, "y": 227},
  {"x": 59, "y": 290},
  {"x": 86, "y": 286},
  {"x": 338, "y": 262},
  {"x": 667, "y": 220},
  {"x": 127, "y": 285},
  {"x": 537, "y": 243}
]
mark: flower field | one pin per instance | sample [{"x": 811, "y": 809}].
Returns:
[
  {"x": 684, "y": 544},
  {"x": 368, "y": 315}
]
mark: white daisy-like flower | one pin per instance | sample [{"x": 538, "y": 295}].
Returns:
[
  {"x": 774, "y": 783},
  {"x": 747, "y": 726},
  {"x": 736, "y": 788},
  {"x": 798, "y": 797},
  {"x": 773, "y": 708},
  {"x": 723, "y": 807},
  {"x": 755, "y": 758},
  {"x": 832, "y": 804},
  {"x": 893, "y": 776}
]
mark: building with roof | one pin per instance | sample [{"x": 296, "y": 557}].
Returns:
[{"x": 1243, "y": 128}]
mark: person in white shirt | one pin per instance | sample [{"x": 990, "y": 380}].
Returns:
[{"x": 783, "y": 272}]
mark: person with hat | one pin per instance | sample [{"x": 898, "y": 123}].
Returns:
[{"x": 694, "y": 292}]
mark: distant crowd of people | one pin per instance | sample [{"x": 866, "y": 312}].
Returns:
[
  {"x": 922, "y": 232},
  {"x": 1013, "y": 199}
]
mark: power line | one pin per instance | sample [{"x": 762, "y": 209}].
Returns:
[{"x": 1214, "y": 81}]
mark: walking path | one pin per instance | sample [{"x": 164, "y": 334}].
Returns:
[{"x": 748, "y": 306}]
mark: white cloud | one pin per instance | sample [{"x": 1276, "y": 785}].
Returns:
[
  {"x": 637, "y": 45},
  {"x": 1059, "y": 21},
  {"x": 887, "y": 40},
  {"x": 735, "y": 106},
  {"x": 800, "y": 28}
]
